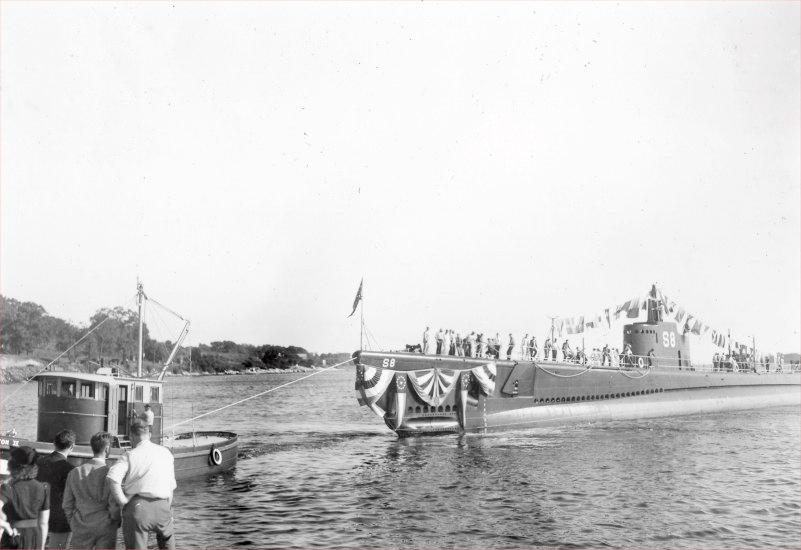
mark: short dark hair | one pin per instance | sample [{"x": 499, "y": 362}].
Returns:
[
  {"x": 64, "y": 440},
  {"x": 147, "y": 406},
  {"x": 139, "y": 426},
  {"x": 100, "y": 442}
]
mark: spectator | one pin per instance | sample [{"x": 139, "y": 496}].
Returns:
[
  {"x": 91, "y": 511},
  {"x": 439, "y": 342},
  {"x": 511, "y": 347},
  {"x": 24, "y": 502},
  {"x": 471, "y": 344},
  {"x": 532, "y": 346},
  {"x": 427, "y": 341},
  {"x": 567, "y": 353},
  {"x": 148, "y": 416},
  {"x": 53, "y": 470},
  {"x": 605, "y": 356},
  {"x": 142, "y": 482}
]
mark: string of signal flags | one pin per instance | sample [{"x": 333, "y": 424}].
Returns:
[{"x": 632, "y": 309}]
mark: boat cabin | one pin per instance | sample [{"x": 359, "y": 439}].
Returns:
[{"x": 89, "y": 403}]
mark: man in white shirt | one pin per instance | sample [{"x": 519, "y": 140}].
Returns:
[
  {"x": 427, "y": 341},
  {"x": 142, "y": 482}
]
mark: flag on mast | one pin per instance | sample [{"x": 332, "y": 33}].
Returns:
[{"x": 357, "y": 299}]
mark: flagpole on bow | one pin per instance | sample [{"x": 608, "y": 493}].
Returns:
[{"x": 361, "y": 314}]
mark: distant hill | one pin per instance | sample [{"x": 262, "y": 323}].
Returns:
[{"x": 30, "y": 338}]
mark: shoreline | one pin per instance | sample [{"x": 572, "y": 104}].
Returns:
[{"x": 14, "y": 371}]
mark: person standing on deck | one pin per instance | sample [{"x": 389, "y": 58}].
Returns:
[
  {"x": 147, "y": 416},
  {"x": 446, "y": 342},
  {"x": 54, "y": 469},
  {"x": 532, "y": 347},
  {"x": 547, "y": 349},
  {"x": 524, "y": 350},
  {"x": 605, "y": 356},
  {"x": 439, "y": 342},
  {"x": 471, "y": 343},
  {"x": 427, "y": 341},
  {"x": 567, "y": 353},
  {"x": 142, "y": 482},
  {"x": 482, "y": 345},
  {"x": 93, "y": 514},
  {"x": 511, "y": 347},
  {"x": 459, "y": 345}
]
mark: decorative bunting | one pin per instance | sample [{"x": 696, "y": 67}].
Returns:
[
  {"x": 485, "y": 375},
  {"x": 433, "y": 385}
]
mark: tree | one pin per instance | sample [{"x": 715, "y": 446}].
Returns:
[{"x": 22, "y": 326}]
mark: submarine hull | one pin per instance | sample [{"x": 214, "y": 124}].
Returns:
[{"x": 419, "y": 394}]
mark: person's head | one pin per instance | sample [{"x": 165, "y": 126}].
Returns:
[
  {"x": 147, "y": 407},
  {"x": 140, "y": 431},
  {"x": 64, "y": 441},
  {"x": 22, "y": 463},
  {"x": 101, "y": 443}
]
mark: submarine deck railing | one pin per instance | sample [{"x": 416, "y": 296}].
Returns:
[{"x": 632, "y": 362}]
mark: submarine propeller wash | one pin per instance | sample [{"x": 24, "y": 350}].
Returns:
[{"x": 418, "y": 394}]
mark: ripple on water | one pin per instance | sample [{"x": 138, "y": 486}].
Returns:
[{"x": 316, "y": 471}]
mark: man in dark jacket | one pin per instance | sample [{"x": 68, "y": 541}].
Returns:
[{"x": 53, "y": 469}]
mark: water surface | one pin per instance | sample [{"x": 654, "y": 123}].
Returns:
[{"x": 316, "y": 470}]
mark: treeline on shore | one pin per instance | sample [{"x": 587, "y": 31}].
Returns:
[{"x": 27, "y": 330}]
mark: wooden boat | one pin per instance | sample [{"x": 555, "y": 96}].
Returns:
[
  {"x": 87, "y": 403},
  {"x": 418, "y": 394}
]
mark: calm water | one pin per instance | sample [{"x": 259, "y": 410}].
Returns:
[{"x": 316, "y": 470}]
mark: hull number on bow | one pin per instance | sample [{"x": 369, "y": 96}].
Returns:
[
  {"x": 669, "y": 339},
  {"x": 388, "y": 363}
]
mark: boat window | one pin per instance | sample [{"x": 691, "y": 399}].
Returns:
[
  {"x": 51, "y": 388},
  {"x": 87, "y": 390},
  {"x": 154, "y": 394},
  {"x": 139, "y": 393},
  {"x": 103, "y": 393},
  {"x": 68, "y": 388},
  {"x": 123, "y": 393},
  {"x": 41, "y": 387}
]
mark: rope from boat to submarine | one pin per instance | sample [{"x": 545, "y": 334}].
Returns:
[
  {"x": 265, "y": 392},
  {"x": 59, "y": 356}
]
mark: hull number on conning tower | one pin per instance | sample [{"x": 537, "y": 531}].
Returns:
[
  {"x": 669, "y": 339},
  {"x": 388, "y": 363}
]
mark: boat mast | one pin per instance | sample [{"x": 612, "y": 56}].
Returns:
[{"x": 140, "y": 294}]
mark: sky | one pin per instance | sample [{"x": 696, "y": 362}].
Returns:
[{"x": 481, "y": 166}]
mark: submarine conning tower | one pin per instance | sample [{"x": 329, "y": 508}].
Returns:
[{"x": 670, "y": 345}]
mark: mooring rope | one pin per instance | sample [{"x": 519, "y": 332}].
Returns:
[
  {"x": 258, "y": 394},
  {"x": 59, "y": 356}
]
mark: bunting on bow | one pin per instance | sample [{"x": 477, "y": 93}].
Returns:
[
  {"x": 371, "y": 383},
  {"x": 433, "y": 385},
  {"x": 485, "y": 375}
]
